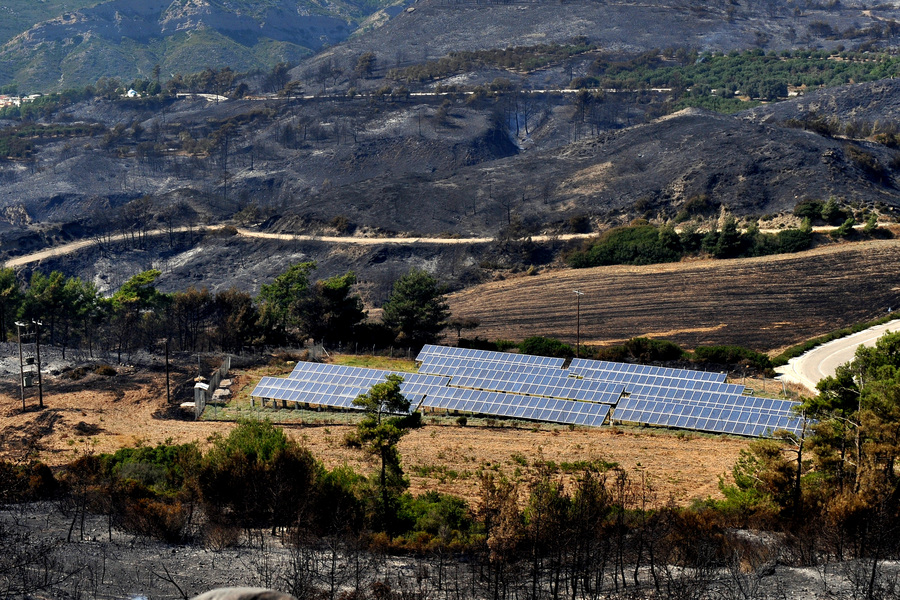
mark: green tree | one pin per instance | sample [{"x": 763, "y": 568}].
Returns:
[
  {"x": 257, "y": 476},
  {"x": 10, "y": 299},
  {"x": 334, "y": 313},
  {"x": 136, "y": 302},
  {"x": 856, "y": 441},
  {"x": 385, "y": 424},
  {"x": 365, "y": 65},
  {"x": 283, "y": 302},
  {"x": 730, "y": 242},
  {"x": 416, "y": 310},
  {"x": 236, "y": 319}
]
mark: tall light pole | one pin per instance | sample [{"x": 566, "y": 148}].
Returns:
[
  {"x": 578, "y": 295},
  {"x": 19, "y": 327}
]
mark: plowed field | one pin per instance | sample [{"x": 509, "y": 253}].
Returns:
[{"x": 763, "y": 303}]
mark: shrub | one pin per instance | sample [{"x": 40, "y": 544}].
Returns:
[
  {"x": 633, "y": 245},
  {"x": 793, "y": 240},
  {"x": 26, "y": 482},
  {"x": 105, "y": 370},
  {"x": 542, "y": 346},
  {"x": 731, "y": 355},
  {"x": 809, "y": 209},
  {"x": 462, "y": 421},
  {"x": 155, "y": 519},
  {"x": 441, "y": 515},
  {"x": 256, "y": 476},
  {"x": 845, "y": 230},
  {"x": 647, "y": 349}
]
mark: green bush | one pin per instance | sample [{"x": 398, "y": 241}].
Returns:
[
  {"x": 792, "y": 240},
  {"x": 256, "y": 476},
  {"x": 542, "y": 346},
  {"x": 731, "y": 355},
  {"x": 650, "y": 350},
  {"x": 441, "y": 515},
  {"x": 632, "y": 245}
]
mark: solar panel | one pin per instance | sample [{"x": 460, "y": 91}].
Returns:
[
  {"x": 601, "y": 369},
  {"x": 516, "y": 405},
  {"x": 441, "y": 365},
  {"x": 487, "y": 356},
  {"x": 722, "y": 413},
  {"x": 530, "y": 384}
]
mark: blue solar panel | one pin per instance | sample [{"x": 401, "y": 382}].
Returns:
[
  {"x": 740, "y": 415},
  {"x": 487, "y": 356},
  {"x": 604, "y": 369}
]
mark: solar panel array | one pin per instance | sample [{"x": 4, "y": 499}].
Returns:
[
  {"x": 337, "y": 385},
  {"x": 506, "y": 389},
  {"x": 740, "y": 416},
  {"x": 650, "y": 395},
  {"x": 626, "y": 372},
  {"x": 537, "y": 388},
  {"x": 550, "y": 386}
]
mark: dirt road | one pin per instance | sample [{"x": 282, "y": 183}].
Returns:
[
  {"x": 822, "y": 361},
  {"x": 72, "y": 247}
]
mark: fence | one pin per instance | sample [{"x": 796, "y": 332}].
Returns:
[{"x": 203, "y": 393}]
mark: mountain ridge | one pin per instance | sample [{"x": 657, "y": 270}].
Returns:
[{"x": 120, "y": 38}]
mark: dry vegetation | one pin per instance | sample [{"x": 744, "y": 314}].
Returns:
[
  {"x": 104, "y": 414},
  {"x": 762, "y": 303}
]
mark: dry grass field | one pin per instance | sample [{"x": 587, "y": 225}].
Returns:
[
  {"x": 764, "y": 303},
  {"x": 104, "y": 414}
]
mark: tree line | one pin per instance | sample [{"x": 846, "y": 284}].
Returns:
[
  {"x": 291, "y": 309},
  {"x": 642, "y": 243}
]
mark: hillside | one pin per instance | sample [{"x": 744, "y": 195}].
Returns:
[
  {"x": 22, "y": 15},
  {"x": 434, "y": 28},
  {"x": 76, "y": 44},
  {"x": 463, "y": 169},
  {"x": 763, "y": 303},
  {"x": 864, "y": 103},
  {"x": 648, "y": 169},
  {"x": 61, "y": 44}
]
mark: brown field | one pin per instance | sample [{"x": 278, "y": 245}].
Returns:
[
  {"x": 102, "y": 415},
  {"x": 763, "y": 303}
]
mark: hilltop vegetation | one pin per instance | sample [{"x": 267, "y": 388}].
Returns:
[{"x": 65, "y": 44}]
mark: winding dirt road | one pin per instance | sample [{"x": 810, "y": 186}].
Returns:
[{"x": 71, "y": 247}]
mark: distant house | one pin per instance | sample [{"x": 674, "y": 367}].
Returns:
[
  {"x": 9, "y": 101},
  {"x": 132, "y": 94}
]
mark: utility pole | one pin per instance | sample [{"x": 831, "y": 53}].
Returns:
[
  {"x": 19, "y": 327},
  {"x": 37, "y": 339},
  {"x": 578, "y": 295},
  {"x": 168, "y": 393}
]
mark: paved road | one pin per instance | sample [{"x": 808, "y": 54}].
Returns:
[{"x": 820, "y": 362}]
